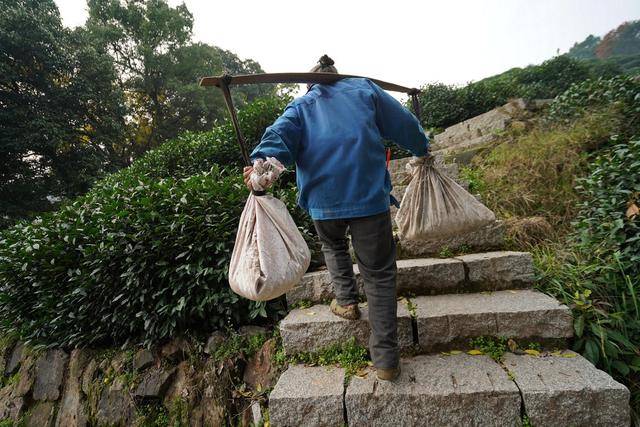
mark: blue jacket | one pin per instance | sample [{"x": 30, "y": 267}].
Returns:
[{"x": 334, "y": 135}]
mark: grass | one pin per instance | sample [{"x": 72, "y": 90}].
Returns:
[
  {"x": 447, "y": 252},
  {"x": 152, "y": 414},
  {"x": 491, "y": 346},
  {"x": 348, "y": 355},
  {"x": 534, "y": 173},
  {"x": 237, "y": 344}
]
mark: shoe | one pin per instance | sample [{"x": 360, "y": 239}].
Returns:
[
  {"x": 388, "y": 374},
  {"x": 349, "y": 312}
]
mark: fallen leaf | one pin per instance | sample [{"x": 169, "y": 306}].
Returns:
[
  {"x": 513, "y": 292},
  {"x": 633, "y": 211},
  {"x": 310, "y": 313},
  {"x": 532, "y": 352},
  {"x": 362, "y": 373},
  {"x": 568, "y": 355},
  {"x": 455, "y": 352},
  {"x": 474, "y": 352}
]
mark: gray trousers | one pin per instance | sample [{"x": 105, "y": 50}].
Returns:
[{"x": 375, "y": 249}]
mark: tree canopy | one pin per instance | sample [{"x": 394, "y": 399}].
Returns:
[{"x": 77, "y": 104}]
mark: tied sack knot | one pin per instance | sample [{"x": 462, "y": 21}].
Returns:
[
  {"x": 265, "y": 173},
  {"x": 417, "y": 163}
]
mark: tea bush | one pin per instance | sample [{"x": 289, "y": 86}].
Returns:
[
  {"x": 445, "y": 105},
  {"x": 620, "y": 93},
  {"x": 144, "y": 255},
  {"x": 597, "y": 272},
  {"x": 195, "y": 152},
  {"x": 608, "y": 223}
]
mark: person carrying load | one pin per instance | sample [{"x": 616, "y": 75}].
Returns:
[{"x": 334, "y": 135}]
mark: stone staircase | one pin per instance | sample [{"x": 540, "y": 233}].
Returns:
[
  {"x": 451, "y": 301},
  {"x": 443, "y": 304}
]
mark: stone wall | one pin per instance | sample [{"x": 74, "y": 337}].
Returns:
[{"x": 179, "y": 383}]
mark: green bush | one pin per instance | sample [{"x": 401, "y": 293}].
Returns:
[
  {"x": 195, "y": 152},
  {"x": 597, "y": 272},
  {"x": 607, "y": 227},
  {"x": 139, "y": 260},
  {"x": 144, "y": 255},
  {"x": 444, "y": 105},
  {"x": 621, "y": 93}
]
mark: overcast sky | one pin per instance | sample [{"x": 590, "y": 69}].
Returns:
[{"x": 405, "y": 42}]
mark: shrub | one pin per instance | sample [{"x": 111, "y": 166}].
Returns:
[
  {"x": 139, "y": 260},
  {"x": 621, "y": 93},
  {"x": 195, "y": 152},
  {"x": 444, "y": 105},
  {"x": 597, "y": 272},
  {"x": 441, "y": 105},
  {"x": 608, "y": 224},
  {"x": 144, "y": 255}
]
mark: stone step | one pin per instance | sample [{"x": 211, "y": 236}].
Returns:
[
  {"x": 449, "y": 321},
  {"x": 315, "y": 328},
  {"x": 308, "y": 396},
  {"x": 439, "y": 390},
  {"x": 442, "y": 322},
  {"x": 430, "y": 276},
  {"x": 562, "y": 391},
  {"x": 488, "y": 238}
]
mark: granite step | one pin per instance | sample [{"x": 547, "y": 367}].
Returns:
[
  {"x": 315, "y": 328},
  {"x": 436, "y": 390},
  {"x": 561, "y": 390},
  {"x": 308, "y": 396},
  {"x": 429, "y": 276},
  {"x": 488, "y": 238},
  {"x": 439, "y": 390},
  {"x": 441, "y": 322},
  {"x": 450, "y": 321}
]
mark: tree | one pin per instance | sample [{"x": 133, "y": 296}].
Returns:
[
  {"x": 159, "y": 68},
  {"x": 195, "y": 108},
  {"x": 585, "y": 49},
  {"x": 624, "y": 40},
  {"x": 59, "y": 110}
]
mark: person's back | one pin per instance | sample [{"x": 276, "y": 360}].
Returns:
[{"x": 334, "y": 134}]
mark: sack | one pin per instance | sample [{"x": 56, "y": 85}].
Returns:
[
  {"x": 270, "y": 255},
  {"x": 435, "y": 206}
]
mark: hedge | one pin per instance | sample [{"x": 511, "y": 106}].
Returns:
[{"x": 144, "y": 255}]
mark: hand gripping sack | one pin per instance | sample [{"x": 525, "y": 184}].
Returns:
[
  {"x": 270, "y": 255},
  {"x": 435, "y": 206}
]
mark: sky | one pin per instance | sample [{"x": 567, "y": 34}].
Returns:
[{"x": 405, "y": 42}]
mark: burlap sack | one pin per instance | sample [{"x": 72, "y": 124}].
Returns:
[
  {"x": 435, "y": 206},
  {"x": 270, "y": 255}
]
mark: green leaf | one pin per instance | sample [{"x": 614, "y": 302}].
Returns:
[{"x": 578, "y": 325}]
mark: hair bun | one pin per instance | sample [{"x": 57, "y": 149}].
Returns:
[{"x": 325, "y": 61}]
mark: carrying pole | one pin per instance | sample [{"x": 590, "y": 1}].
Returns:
[
  {"x": 226, "y": 80},
  {"x": 224, "y": 85}
]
